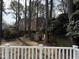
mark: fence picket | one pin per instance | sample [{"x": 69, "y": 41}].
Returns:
[
  {"x": 25, "y": 54},
  {"x": 11, "y": 53},
  {"x": 14, "y": 53},
  {"x": 29, "y": 53},
  {"x": 40, "y": 52},
  {"x": 59, "y": 54},
  {"x": 36, "y": 54},
  {"x": 7, "y": 52},
  {"x": 52, "y": 54},
  {"x": 44, "y": 53},
  {"x": 18, "y": 53},
  {"x": 66, "y": 53},
  {"x": 2, "y": 53},
  {"x": 32, "y": 53},
  {"x": 63, "y": 54}
]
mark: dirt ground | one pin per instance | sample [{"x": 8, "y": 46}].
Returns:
[{"x": 19, "y": 42}]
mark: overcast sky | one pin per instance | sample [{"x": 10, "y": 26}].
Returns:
[{"x": 9, "y": 17}]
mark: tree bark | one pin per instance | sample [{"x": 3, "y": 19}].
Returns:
[
  {"x": 70, "y": 7},
  {"x": 29, "y": 20},
  {"x": 37, "y": 25},
  {"x": 51, "y": 8},
  {"x": 47, "y": 17},
  {"x": 16, "y": 22},
  {"x": 25, "y": 14},
  {"x": 37, "y": 17},
  {"x": 18, "y": 17},
  {"x": 1, "y": 9}
]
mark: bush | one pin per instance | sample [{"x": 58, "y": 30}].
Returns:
[
  {"x": 77, "y": 5},
  {"x": 50, "y": 24},
  {"x": 73, "y": 26},
  {"x": 9, "y": 33},
  {"x": 59, "y": 25}
]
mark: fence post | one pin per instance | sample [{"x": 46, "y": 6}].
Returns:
[
  {"x": 7, "y": 51},
  {"x": 74, "y": 51},
  {"x": 41, "y": 47}
]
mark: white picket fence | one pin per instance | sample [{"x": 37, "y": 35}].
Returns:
[{"x": 38, "y": 52}]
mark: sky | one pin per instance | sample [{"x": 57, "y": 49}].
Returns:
[{"x": 8, "y": 18}]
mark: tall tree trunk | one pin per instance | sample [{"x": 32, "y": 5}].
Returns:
[
  {"x": 37, "y": 17},
  {"x": 18, "y": 16},
  {"x": 16, "y": 22},
  {"x": 70, "y": 7},
  {"x": 25, "y": 14},
  {"x": 29, "y": 20},
  {"x": 51, "y": 8},
  {"x": 47, "y": 17},
  {"x": 1, "y": 9},
  {"x": 37, "y": 25}
]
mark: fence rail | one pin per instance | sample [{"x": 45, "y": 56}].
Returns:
[{"x": 38, "y": 52}]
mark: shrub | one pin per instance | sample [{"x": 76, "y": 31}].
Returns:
[
  {"x": 73, "y": 26},
  {"x": 77, "y": 5},
  {"x": 9, "y": 33},
  {"x": 59, "y": 25}
]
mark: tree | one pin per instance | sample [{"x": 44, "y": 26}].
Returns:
[
  {"x": 62, "y": 21},
  {"x": 51, "y": 8},
  {"x": 29, "y": 20},
  {"x": 70, "y": 7},
  {"x": 38, "y": 8},
  {"x": 1, "y": 9},
  {"x": 25, "y": 14},
  {"x": 57, "y": 26},
  {"x": 62, "y": 7},
  {"x": 18, "y": 8},
  {"x": 73, "y": 27},
  {"x": 47, "y": 14},
  {"x": 77, "y": 5}
]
